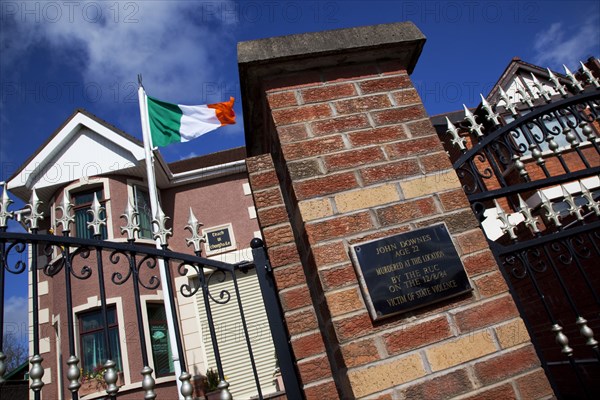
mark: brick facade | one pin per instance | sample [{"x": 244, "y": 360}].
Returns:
[{"x": 356, "y": 159}]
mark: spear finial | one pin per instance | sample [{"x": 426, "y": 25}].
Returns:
[
  {"x": 491, "y": 115},
  {"x": 560, "y": 88},
  {"x": 193, "y": 226},
  {"x": 456, "y": 139},
  {"x": 475, "y": 127},
  {"x": 161, "y": 233},
  {"x": 95, "y": 211},
  {"x": 574, "y": 82},
  {"x": 5, "y": 215}
]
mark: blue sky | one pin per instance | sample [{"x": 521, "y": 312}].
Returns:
[{"x": 57, "y": 56}]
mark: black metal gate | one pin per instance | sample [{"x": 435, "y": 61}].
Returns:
[
  {"x": 102, "y": 267},
  {"x": 532, "y": 167}
]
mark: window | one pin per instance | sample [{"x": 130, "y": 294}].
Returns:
[
  {"x": 141, "y": 200},
  {"x": 91, "y": 333},
  {"x": 82, "y": 202},
  {"x": 159, "y": 338},
  {"x": 552, "y": 125}
]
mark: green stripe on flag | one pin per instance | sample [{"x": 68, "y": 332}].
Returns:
[{"x": 165, "y": 122}]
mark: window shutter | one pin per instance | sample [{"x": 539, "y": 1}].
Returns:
[{"x": 230, "y": 335}]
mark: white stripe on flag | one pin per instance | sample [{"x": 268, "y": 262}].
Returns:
[{"x": 196, "y": 121}]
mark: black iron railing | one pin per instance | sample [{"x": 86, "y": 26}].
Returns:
[
  {"x": 531, "y": 172},
  {"x": 95, "y": 266},
  {"x": 534, "y": 136}
]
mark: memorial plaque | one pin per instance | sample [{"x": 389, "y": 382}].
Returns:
[
  {"x": 409, "y": 270},
  {"x": 218, "y": 239}
]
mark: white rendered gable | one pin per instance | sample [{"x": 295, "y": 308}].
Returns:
[
  {"x": 82, "y": 148},
  {"x": 525, "y": 82}
]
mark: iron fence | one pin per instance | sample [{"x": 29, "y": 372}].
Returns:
[
  {"x": 531, "y": 169},
  {"x": 69, "y": 262}
]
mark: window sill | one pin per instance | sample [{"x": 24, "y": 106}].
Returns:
[
  {"x": 128, "y": 387},
  {"x": 137, "y": 241}
]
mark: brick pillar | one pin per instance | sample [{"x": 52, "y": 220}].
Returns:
[{"x": 342, "y": 152}]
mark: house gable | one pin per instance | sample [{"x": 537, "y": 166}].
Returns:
[
  {"x": 84, "y": 146},
  {"x": 518, "y": 74}
]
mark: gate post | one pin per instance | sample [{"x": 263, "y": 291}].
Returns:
[
  {"x": 275, "y": 317},
  {"x": 341, "y": 153}
]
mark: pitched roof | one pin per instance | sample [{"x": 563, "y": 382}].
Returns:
[
  {"x": 208, "y": 160},
  {"x": 61, "y": 127},
  {"x": 64, "y": 156},
  {"x": 513, "y": 68}
]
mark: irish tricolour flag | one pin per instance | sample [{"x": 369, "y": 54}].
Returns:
[{"x": 170, "y": 123}]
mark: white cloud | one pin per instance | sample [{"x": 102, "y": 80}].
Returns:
[
  {"x": 15, "y": 317},
  {"x": 190, "y": 155},
  {"x": 565, "y": 44},
  {"x": 175, "y": 45}
]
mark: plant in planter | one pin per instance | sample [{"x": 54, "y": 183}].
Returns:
[
  {"x": 93, "y": 381},
  {"x": 212, "y": 384}
]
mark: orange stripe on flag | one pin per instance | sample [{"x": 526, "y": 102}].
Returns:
[{"x": 224, "y": 111}]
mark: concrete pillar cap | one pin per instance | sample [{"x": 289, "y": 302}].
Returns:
[{"x": 259, "y": 59}]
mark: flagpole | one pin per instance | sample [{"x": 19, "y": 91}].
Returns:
[{"x": 152, "y": 191}]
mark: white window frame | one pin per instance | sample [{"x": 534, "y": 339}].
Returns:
[
  {"x": 94, "y": 303},
  {"x": 82, "y": 184},
  {"x": 131, "y": 184},
  {"x": 144, "y": 300}
]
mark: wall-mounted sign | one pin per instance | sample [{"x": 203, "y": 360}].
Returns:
[
  {"x": 219, "y": 239},
  {"x": 409, "y": 270}
]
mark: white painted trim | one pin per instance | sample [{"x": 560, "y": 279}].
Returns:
[
  {"x": 246, "y": 189},
  {"x": 145, "y": 299},
  {"x": 555, "y": 192},
  {"x": 131, "y": 199},
  {"x": 58, "y": 355},
  {"x": 130, "y": 386},
  {"x": 207, "y": 173},
  {"x": 47, "y": 378},
  {"x": 137, "y": 241},
  {"x": 42, "y": 288},
  {"x": 105, "y": 182},
  {"x": 66, "y": 134},
  {"x": 202, "y": 350}
]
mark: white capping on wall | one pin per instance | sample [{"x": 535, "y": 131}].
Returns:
[
  {"x": 247, "y": 190},
  {"x": 252, "y": 212},
  {"x": 43, "y": 288}
]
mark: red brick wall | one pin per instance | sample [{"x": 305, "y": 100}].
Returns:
[
  {"x": 356, "y": 158},
  {"x": 300, "y": 314}
]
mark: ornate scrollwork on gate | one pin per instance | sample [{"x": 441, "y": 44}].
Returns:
[
  {"x": 20, "y": 265},
  {"x": 224, "y": 295}
]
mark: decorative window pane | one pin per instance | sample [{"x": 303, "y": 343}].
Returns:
[
  {"x": 142, "y": 204},
  {"x": 82, "y": 202},
  {"x": 159, "y": 337},
  {"x": 93, "y": 348}
]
